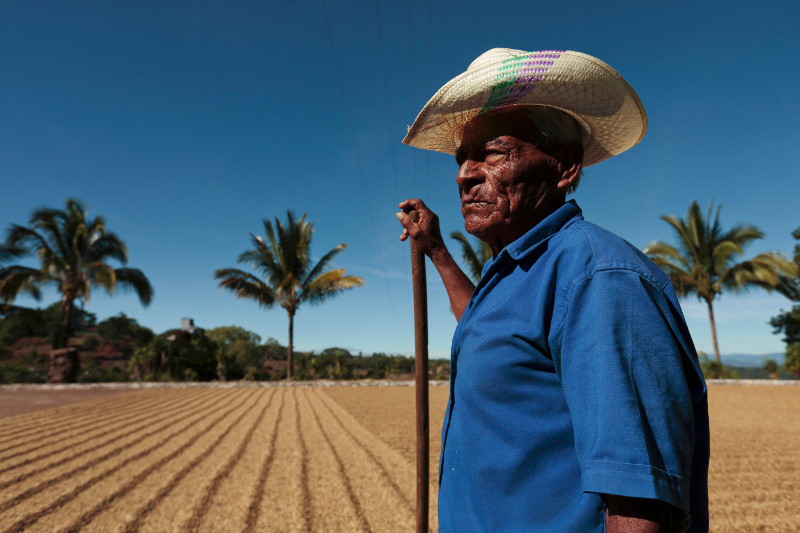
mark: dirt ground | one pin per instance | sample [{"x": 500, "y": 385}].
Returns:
[
  {"x": 309, "y": 459},
  {"x": 17, "y": 402}
]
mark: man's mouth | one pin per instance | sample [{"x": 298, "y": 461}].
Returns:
[{"x": 475, "y": 203}]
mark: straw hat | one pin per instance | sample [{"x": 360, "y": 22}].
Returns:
[{"x": 610, "y": 112}]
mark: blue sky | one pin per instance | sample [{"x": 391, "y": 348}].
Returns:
[{"x": 187, "y": 123}]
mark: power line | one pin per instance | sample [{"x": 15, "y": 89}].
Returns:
[
  {"x": 407, "y": 251},
  {"x": 386, "y": 91},
  {"x": 430, "y": 55},
  {"x": 411, "y": 80},
  {"x": 358, "y": 163}
]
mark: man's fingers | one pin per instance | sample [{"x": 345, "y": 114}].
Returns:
[
  {"x": 412, "y": 204},
  {"x": 402, "y": 218}
]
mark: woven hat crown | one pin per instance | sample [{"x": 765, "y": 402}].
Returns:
[{"x": 592, "y": 92}]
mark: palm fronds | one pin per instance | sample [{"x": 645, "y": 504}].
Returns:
[
  {"x": 284, "y": 273},
  {"x": 703, "y": 261}
]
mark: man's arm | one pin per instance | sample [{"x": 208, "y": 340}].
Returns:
[
  {"x": 641, "y": 515},
  {"x": 427, "y": 235}
]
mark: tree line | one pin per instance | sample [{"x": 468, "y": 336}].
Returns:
[
  {"x": 75, "y": 254},
  {"x": 120, "y": 349}
]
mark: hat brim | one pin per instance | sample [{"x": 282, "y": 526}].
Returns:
[{"x": 592, "y": 92}]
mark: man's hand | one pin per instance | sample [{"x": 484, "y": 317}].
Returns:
[
  {"x": 428, "y": 236},
  {"x": 425, "y": 232}
]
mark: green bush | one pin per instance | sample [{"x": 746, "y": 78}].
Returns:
[
  {"x": 710, "y": 368},
  {"x": 792, "y": 363},
  {"x": 771, "y": 367},
  {"x": 91, "y": 343},
  {"x": 13, "y": 372}
]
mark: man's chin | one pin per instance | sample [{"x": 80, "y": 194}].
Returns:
[{"x": 478, "y": 228}]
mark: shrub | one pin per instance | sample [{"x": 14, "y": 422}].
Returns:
[
  {"x": 710, "y": 368},
  {"x": 792, "y": 363}
]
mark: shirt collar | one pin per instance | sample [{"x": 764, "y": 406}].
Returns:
[{"x": 544, "y": 230}]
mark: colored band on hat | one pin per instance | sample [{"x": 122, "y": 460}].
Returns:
[{"x": 517, "y": 76}]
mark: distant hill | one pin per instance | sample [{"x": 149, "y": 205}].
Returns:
[{"x": 751, "y": 361}]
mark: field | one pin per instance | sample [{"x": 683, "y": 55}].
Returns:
[{"x": 314, "y": 459}]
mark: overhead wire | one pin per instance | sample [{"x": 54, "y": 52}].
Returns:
[
  {"x": 411, "y": 81},
  {"x": 359, "y": 165},
  {"x": 430, "y": 55},
  {"x": 386, "y": 92},
  {"x": 407, "y": 251}
]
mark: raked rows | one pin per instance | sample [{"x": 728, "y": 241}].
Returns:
[{"x": 235, "y": 459}]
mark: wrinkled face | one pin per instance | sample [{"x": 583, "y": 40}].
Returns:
[{"x": 507, "y": 184}]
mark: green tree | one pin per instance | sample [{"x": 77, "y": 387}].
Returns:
[
  {"x": 704, "y": 261},
  {"x": 14, "y": 274},
  {"x": 73, "y": 251},
  {"x": 792, "y": 363},
  {"x": 238, "y": 350},
  {"x": 474, "y": 256},
  {"x": 148, "y": 360},
  {"x": 713, "y": 369},
  {"x": 120, "y": 328},
  {"x": 282, "y": 260},
  {"x": 192, "y": 357},
  {"x": 771, "y": 367},
  {"x": 788, "y": 322},
  {"x": 790, "y": 285},
  {"x": 336, "y": 363},
  {"x": 17, "y": 323}
]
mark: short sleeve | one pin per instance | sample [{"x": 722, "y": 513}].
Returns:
[{"x": 621, "y": 362}]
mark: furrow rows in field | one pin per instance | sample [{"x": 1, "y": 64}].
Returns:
[
  {"x": 343, "y": 476},
  {"x": 389, "y": 413},
  {"x": 64, "y": 412},
  {"x": 61, "y": 490},
  {"x": 234, "y": 492},
  {"x": 74, "y": 418},
  {"x": 385, "y": 506},
  {"x": 189, "y": 478},
  {"x": 203, "y": 505},
  {"x": 75, "y": 452},
  {"x": 122, "y": 477},
  {"x": 163, "y": 506},
  {"x": 395, "y": 470},
  {"x": 754, "y": 461},
  {"x": 280, "y": 498},
  {"x": 330, "y": 502},
  {"x": 305, "y": 466},
  {"x": 102, "y": 428}
]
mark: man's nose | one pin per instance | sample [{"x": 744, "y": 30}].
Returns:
[{"x": 469, "y": 174}]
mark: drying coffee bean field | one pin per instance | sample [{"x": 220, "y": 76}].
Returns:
[{"x": 314, "y": 459}]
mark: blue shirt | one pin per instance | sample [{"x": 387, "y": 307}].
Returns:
[{"x": 572, "y": 375}]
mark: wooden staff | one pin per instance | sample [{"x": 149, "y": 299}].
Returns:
[{"x": 421, "y": 377}]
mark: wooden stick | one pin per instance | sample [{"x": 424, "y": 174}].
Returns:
[{"x": 419, "y": 282}]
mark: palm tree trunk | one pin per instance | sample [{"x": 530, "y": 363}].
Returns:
[
  {"x": 714, "y": 338},
  {"x": 61, "y": 337},
  {"x": 290, "y": 348}
]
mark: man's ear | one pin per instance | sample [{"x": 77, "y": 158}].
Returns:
[{"x": 570, "y": 164}]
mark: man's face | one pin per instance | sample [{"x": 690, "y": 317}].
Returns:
[{"x": 507, "y": 185}]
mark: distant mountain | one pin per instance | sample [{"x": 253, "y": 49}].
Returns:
[{"x": 751, "y": 361}]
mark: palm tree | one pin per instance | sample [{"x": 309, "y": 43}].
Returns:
[
  {"x": 72, "y": 250},
  {"x": 790, "y": 286},
  {"x": 475, "y": 257},
  {"x": 282, "y": 259},
  {"x": 703, "y": 263}
]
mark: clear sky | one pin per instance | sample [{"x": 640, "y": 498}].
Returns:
[{"x": 186, "y": 123}]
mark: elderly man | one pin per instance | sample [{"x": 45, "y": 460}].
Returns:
[{"x": 576, "y": 400}]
